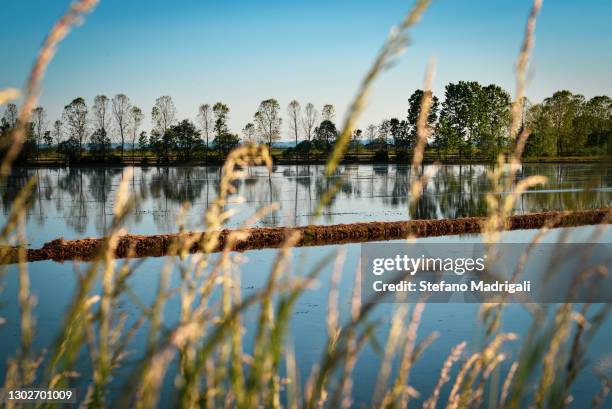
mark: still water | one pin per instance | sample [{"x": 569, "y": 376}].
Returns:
[
  {"x": 78, "y": 202},
  {"x": 73, "y": 203}
]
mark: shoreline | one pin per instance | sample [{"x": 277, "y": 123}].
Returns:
[{"x": 59, "y": 163}]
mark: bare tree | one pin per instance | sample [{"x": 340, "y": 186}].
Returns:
[
  {"x": 249, "y": 134},
  {"x": 295, "y": 116},
  {"x": 39, "y": 125},
  {"x": 136, "y": 117},
  {"x": 371, "y": 132},
  {"x": 206, "y": 120},
  {"x": 121, "y": 113},
  {"x": 328, "y": 113},
  {"x": 163, "y": 114},
  {"x": 268, "y": 121},
  {"x": 75, "y": 119},
  {"x": 309, "y": 121},
  {"x": 100, "y": 112},
  {"x": 10, "y": 115},
  {"x": 57, "y": 133}
]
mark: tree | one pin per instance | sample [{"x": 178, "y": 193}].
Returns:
[
  {"x": 56, "y": 133},
  {"x": 309, "y": 121},
  {"x": 249, "y": 133},
  {"x": 48, "y": 139},
  {"x": 100, "y": 143},
  {"x": 143, "y": 142},
  {"x": 294, "y": 110},
  {"x": 121, "y": 113},
  {"x": 328, "y": 112},
  {"x": 563, "y": 107},
  {"x": 224, "y": 140},
  {"x": 414, "y": 111},
  {"x": 163, "y": 115},
  {"x": 597, "y": 113},
  {"x": 136, "y": 117},
  {"x": 186, "y": 137},
  {"x": 399, "y": 132},
  {"x": 75, "y": 120},
  {"x": 541, "y": 141},
  {"x": 459, "y": 118},
  {"x": 356, "y": 138},
  {"x": 205, "y": 117},
  {"x": 371, "y": 132},
  {"x": 39, "y": 122},
  {"x": 382, "y": 137},
  {"x": 494, "y": 122},
  {"x": 326, "y": 134},
  {"x": 100, "y": 112},
  {"x": 268, "y": 121},
  {"x": 10, "y": 115}
]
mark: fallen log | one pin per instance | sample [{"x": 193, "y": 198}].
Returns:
[{"x": 314, "y": 235}]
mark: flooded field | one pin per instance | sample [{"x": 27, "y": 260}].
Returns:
[
  {"x": 78, "y": 202},
  {"x": 74, "y": 203}
]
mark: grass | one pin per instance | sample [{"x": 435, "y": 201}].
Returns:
[{"x": 206, "y": 345}]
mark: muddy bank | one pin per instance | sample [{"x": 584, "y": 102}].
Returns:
[{"x": 271, "y": 237}]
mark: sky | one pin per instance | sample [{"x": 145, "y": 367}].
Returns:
[{"x": 242, "y": 52}]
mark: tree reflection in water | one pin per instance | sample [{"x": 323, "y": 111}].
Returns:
[{"x": 79, "y": 200}]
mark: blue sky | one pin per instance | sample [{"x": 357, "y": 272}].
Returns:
[{"x": 241, "y": 52}]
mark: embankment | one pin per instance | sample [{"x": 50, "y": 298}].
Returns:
[{"x": 313, "y": 235}]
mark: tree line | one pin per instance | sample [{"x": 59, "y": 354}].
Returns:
[{"x": 471, "y": 120}]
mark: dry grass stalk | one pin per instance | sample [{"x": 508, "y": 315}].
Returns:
[
  {"x": 8, "y": 94},
  {"x": 58, "y": 32},
  {"x": 444, "y": 377}
]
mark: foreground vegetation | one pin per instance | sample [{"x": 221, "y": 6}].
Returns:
[{"x": 204, "y": 352}]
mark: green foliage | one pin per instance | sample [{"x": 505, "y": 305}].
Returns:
[
  {"x": 566, "y": 124},
  {"x": 186, "y": 138},
  {"x": 224, "y": 140},
  {"x": 473, "y": 117},
  {"x": 414, "y": 108},
  {"x": 325, "y": 135},
  {"x": 143, "y": 141},
  {"x": 100, "y": 144}
]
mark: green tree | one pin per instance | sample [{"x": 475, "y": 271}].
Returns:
[
  {"x": 326, "y": 134},
  {"x": 187, "y": 138},
  {"x": 493, "y": 125},
  {"x": 400, "y": 134},
  {"x": 563, "y": 107},
  {"x": 224, "y": 140},
  {"x": 100, "y": 143},
  {"x": 414, "y": 109},
  {"x": 541, "y": 141},
  {"x": 143, "y": 141}
]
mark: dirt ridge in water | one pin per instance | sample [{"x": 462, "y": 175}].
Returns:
[{"x": 314, "y": 235}]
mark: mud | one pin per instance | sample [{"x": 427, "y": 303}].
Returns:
[{"x": 314, "y": 235}]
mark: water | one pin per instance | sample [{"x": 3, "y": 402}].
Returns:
[{"x": 78, "y": 203}]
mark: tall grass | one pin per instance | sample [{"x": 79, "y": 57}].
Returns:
[{"x": 204, "y": 353}]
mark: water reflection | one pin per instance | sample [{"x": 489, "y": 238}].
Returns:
[{"x": 74, "y": 202}]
